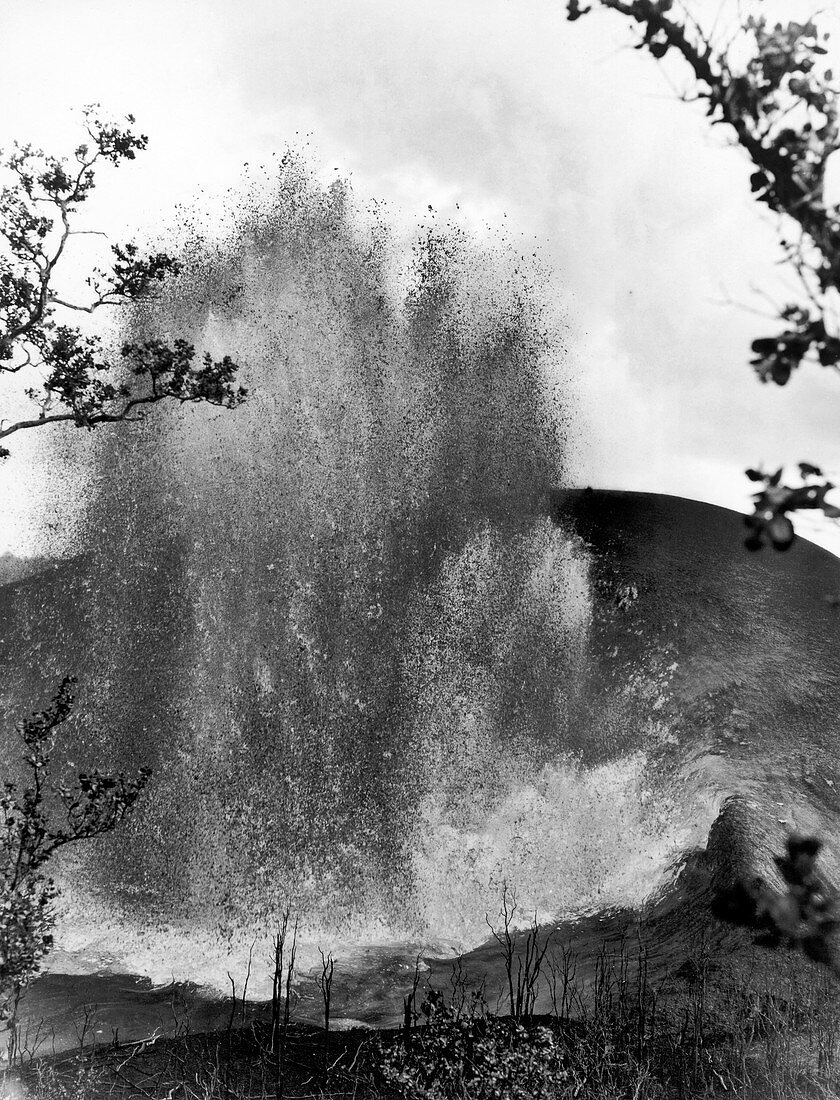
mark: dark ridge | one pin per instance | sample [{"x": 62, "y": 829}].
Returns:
[
  {"x": 694, "y": 535},
  {"x": 753, "y": 637}
]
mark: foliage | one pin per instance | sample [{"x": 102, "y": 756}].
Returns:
[
  {"x": 78, "y": 1081},
  {"x": 804, "y": 916},
  {"x": 74, "y": 380},
  {"x": 36, "y": 821},
  {"x": 758, "y": 1031},
  {"x": 774, "y": 501},
  {"x": 67, "y": 374},
  {"x": 755, "y": 1026},
  {"x": 475, "y": 1056},
  {"x": 783, "y": 108}
]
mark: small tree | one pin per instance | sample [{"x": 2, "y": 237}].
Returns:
[
  {"x": 68, "y": 375},
  {"x": 34, "y": 823},
  {"x": 782, "y": 107}
]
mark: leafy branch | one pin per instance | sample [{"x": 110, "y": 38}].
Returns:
[
  {"x": 34, "y": 823},
  {"x": 783, "y": 108},
  {"x": 39, "y": 200},
  {"x": 774, "y": 501},
  {"x": 803, "y": 916}
]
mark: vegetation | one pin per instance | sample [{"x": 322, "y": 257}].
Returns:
[
  {"x": 803, "y": 916},
  {"x": 70, "y": 378},
  {"x": 764, "y": 1028},
  {"x": 34, "y": 823},
  {"x": 66, "y": 373},
  {"x": 782, "y": 107},
  {"x": 740, "y": 1022},
  {"x": 774, "y": 501}
]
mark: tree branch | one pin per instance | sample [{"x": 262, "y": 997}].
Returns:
[{"x": 74, "y": 364}]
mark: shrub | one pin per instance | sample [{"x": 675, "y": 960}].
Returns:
[
  {"x": 475, "y": 1056},
  {"x": 34, "y": 823}
]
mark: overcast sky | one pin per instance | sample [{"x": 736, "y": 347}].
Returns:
[{"x": 494, "y": 112}]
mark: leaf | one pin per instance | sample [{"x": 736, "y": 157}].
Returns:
[
  {"x": 758, "y": 181},
  {"x": 781, "y": 532},
  {"x": 808, "y": 470},
  {"x": 765, "y": 345}
]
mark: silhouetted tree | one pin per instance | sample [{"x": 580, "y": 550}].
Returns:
[
  {"x": 780, "y": 103},
  {"x": 35, "y": 822},
  {"x": 70, "y": 378},
  {"x": 67, "y": 373}
]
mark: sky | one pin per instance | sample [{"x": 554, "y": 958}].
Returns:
[{"x": 497, "y": 113}]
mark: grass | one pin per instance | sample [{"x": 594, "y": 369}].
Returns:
[{"x": 756, "y": 1025}]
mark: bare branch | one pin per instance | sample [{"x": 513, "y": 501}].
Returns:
[{"x": 92, "y": 307}]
